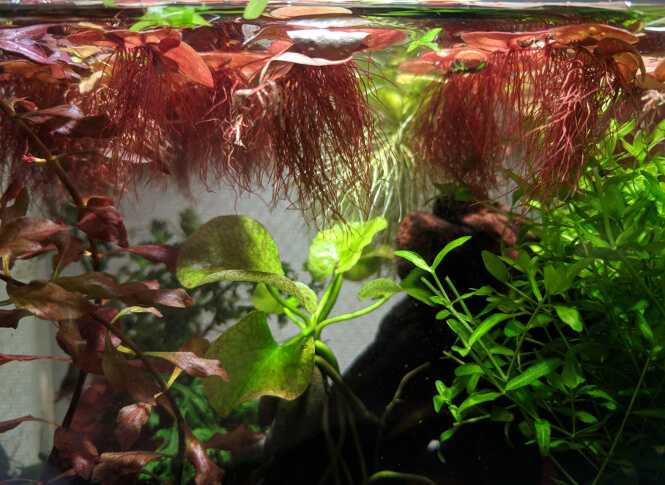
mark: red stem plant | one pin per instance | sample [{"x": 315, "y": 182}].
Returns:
[{"x": 551, "y": 94}]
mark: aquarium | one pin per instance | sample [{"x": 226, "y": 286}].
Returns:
[{"x": 333, "y": 243}]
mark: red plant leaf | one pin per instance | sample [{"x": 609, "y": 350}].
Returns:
[
  {"x": 207, "y": 472},
  {"x": 4, "y": 358},
  {"x": 18, "y": 209},
  {"x": 196, "y": 344},
  {"x": 104, "y": 285},
  {"x": 69, "y": 120},
  {"x": 23, "y": 41},
  {"x": 91, "y": 37},
  {"x": 103, "y": 222},
  {"x": 129, "y": 423},
  {"x": 10, "y": 318},
  {"x": 26, "y": 234},
  {"x": 590, "y": 34},
  {"x": 234, "y": 441},
  {"x": 327, "y": 44},
  {"x": 79, "y": 453},
  {"x": 659, "y": 72},
  {"x": 377, "y": 39},
  {"x": 125, "y": 376},
  {"x": 94, "y": 334},
  {"x": 70, "y": 340},
  {"x": 190, "y": 64},
  {"x": 13, "y": 423},
  {"x": 70, "y": 250},
  {"x": 155, "y": 253},
  {"x": 193, "y": 365},
  {"x": 112, "y": 466},
  {"x": 417, "y": 66},
  {"x": 49, "y": 301}
]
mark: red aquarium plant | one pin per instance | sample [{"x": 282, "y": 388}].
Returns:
[
  {"x": 318, "y": 124},
  {"x": 550, "y": 93}
]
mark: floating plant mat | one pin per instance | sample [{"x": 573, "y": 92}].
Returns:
[{"x": 342, "y": 112}]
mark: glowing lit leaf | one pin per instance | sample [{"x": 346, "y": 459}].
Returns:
[
  {"x": 570, "y": 316},
  {"x": 338, "y": 249},
  {"x": 254, "y": 9},
  {"x": 257, "y": 365},
  {"x": 236, "y": 248},
  {"x": 543, "y": 433},
  {"x": 293, "y": 12}
]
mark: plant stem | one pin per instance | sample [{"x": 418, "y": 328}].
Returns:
[
  {"x": 351, "y": 316},
  {"x": 296, "y": 311},
  {"x": 625, "y": 418},
  {"x": 150, "y": 366}
]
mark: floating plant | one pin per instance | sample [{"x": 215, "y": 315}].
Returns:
[{"x": 549, "y": 93}]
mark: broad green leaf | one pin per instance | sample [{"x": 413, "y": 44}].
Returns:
[
  {"x": 256, "y": 365},
  {"x": 570, "y": 316},
  {"x": 236, "y": 248},
  {"x": 495, "y": 266},
  {"x": 543, "y": 434},
  {"x": 447, "y": 434},
  {"x": 449, "y": 247},
  {"x": 488, "y": 324},
  {"x": 536, "y": 371},
  {"x": 379, "y": 288},
  {"x": 438, "y": 402},
  {"x": 513, "y": 329},
  {"x": 264, "y": 302},
  {"x": 415, "y": 259},
  {"x": 254, "y": 9},
  {"x": 479, "y": 398},
  {"x": 338, "y": 249},
  {"x": 468, "y": 369}
]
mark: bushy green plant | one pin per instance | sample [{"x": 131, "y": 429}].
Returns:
[{"x": 570, "y": 347}]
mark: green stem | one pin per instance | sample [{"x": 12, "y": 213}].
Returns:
[
  {"x": 603, "y": 206},
  {"x": 351, "y": 316},
  {"x": 324, "y": 351},
  {"x": 329, "y": 298},
  {"x": 296, "y": 311},
  {"x": 625, "y": 418}
]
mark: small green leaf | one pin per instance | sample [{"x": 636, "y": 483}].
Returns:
[
  {"x": 449, "y": 247},
  {"x": 256, "y": 365},
  {"x": 254, "y": 9},
  {"x": 488, "y": 324},
  {"x": 513, "y": 329},
  {"x": 337, "y": 250},
  {"x": 586, "y": 417},
  {"x": 571, "y": 375},
  {"x": 536, "y": 371},
  {"x": 447, "y": 434},
  {"x": 543, "y": 434},
  {"x": 495, "y": 266},
  {"x": 415, "y": 259},
  {"x": 468, "y": 369},
  {"x": 570, "y": 316},
  {"x": 479, "y": 398},
  {"x": 379, "y": 288},
  {"x": 438, "y": 402}
]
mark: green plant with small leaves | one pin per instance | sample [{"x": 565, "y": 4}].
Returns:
[{"x": 570, "y": 347}]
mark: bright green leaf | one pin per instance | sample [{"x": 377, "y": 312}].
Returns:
[
  {"x": 256, "y": 365},
  {"x": 536, "y": 371},
  {"x": 570, "y": 316},
  {"x": 254, "y": 9},
  {"x": 415, "y": 259},
  {"x": 264, "y": 302},
  {"x": 488, "y": 324},
  {"x": 479, "y": 398}
]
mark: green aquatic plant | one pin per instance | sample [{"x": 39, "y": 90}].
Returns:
[{"x": 570, "y": 346}]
